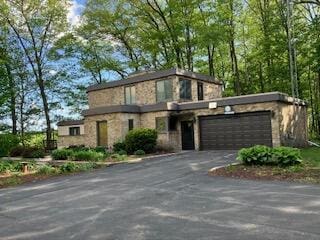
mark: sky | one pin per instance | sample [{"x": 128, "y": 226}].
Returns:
[{"x": 75, "y": 10}]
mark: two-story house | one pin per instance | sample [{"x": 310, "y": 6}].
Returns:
[{"x": 188, "y": 111}]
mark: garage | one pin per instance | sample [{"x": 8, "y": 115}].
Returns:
[{"x": 235, "y": 131}]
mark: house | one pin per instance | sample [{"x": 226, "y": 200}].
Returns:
[{"x": 188, "y": 111}]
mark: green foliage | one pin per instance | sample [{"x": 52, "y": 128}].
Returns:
[
  {"x": 118, "y": 146},
  {"x": 311, "y": 156},
  {"x": 141, "y": 139},
  {"x": 122, "y": 152},
  {"x": 77, "y": 148},
  {"x": 139, "y": 152},
  {"x": 263, "y": 155},
  {"x": 34, "y": 139},
  {"x": 33, "y": 152},
  {"x": 17, "y": 151},
  {"x": 101, "y": 149},
  {"x": 286, "y": 156},
  {"x": 74, "y": 167},
  {"x": 257, "y": 155},
  {"x": 87, "y": 156},
  {"x": 117, "y": 157},
  {"x": 68, "y": 167},
  {"x": 61, "y": 154},
  {"x": 10, "y": 166},
  {"x": 47, "y": 170},
  {"x": 7, "y": 142}
]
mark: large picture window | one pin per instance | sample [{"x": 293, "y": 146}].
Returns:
[
  {"x": 185, "y": 89},
  {"x": 130, "y": 95},
  {"x": 164, "y": 90}
]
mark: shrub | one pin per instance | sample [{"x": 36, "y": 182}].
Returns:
[
  {"x": 87, "y": 156},
  {"x": 141, "y": 139},
  {"x": 61, "y": 154},
  {"x": 77, "y": 148},
  {"x": 7, "y": 142},
  {"x": 101, "y": 149},
  {"x": 118, "y": 146},
  {"x": 68, "y": 167},
  {"x": 263, "y": 155},
  {"x": 46, "y": 170},
  {"x": 34, "y": 139},
  {"x": 139, "y": 152},
  {"x": 12, "y": 166},
  {"x": 33, "y": 152},
  {"x": 118, "y": 157},
  {"x": 87, "y": 166},
  {"x": 257, "y": 155},
  {"x": 286, "y": 156},
  {"x": 17, "y": 151},
  {"x": 122, "y": 152}
]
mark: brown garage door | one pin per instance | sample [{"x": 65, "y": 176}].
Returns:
[{"x": 235, "y": 131}]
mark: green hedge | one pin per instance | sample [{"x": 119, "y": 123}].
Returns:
[
  {"x": 141, "y": 139},
  {"x": 263, "y": 155},
  {"x": 61, "y": 154},
  {"x": 7, "y": 142},
  {"x": 87, "y": 156}
]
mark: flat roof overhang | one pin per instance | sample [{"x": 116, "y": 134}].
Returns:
[{"x": 174, "y": 106}]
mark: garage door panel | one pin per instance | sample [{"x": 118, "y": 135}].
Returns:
[{"x": 235, "y": 131}]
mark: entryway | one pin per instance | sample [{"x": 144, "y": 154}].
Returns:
[{"x": 187, "y": 135}]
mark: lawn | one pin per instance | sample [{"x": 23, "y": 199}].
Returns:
[{"x": 307, "y": 172}]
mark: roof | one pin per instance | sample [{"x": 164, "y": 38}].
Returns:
[
  {"x": 151, "y": 75},
  {"x": 173, "y": 106},
  {"x": 70, "y": 122}
]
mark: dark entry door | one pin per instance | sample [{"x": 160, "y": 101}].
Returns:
[
  {"x": 187, "y": 135},
  {"x": 235, "y": 131}
]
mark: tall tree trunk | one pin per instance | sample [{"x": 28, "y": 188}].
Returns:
[{"x": 12, "y": 99}]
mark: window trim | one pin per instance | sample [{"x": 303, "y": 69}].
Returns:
[
  {"x": 125, "y": 94},
  {"x": 156, "y": 90},
  {"x": 180, "y": 86}
]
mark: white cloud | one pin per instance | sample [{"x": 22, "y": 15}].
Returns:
[{"x": 74, "y": 12}]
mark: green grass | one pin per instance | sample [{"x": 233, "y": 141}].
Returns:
[{"x": 311, "y": 156}]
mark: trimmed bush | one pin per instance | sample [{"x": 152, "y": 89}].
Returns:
[
  {"x": 139, "y": 152},
  {"x": 118, "y": 157},
  {"x": 77, "y": 148},
  {"x": 61, "y": 154},
  {"x": 87, "y": 156},
  {"x": 7, "y": 142},
  {"x": 141, "y": 139},
  {"x": 118, "y": 146},
  {"x": 286, "y": 156},
  {"x": 17, "y": 151},
  {"x": 33, "y": 152},
  {"x": 263, "y": 155}
]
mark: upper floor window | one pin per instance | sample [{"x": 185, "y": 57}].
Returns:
[
  {"x": 185, "y": 89},
  {"x": 164, "y": 90},
  {"x": 200, "y": 91},
  {"x": 130, "y": 95},
  {"x": 74, "y": 131}
]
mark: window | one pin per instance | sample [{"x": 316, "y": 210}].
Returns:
[
  {"x": 164, "y": 90},
  {"x": 74, "y": 131},
  {"x": 161, "y": 124},
  {"x": 173, "y": 123},
  {"x": 200, "y": 91},
  {"x": 130, "y": 124},
  {"x": 130, "y": 95},
  {"x": 185, "y": 89}
]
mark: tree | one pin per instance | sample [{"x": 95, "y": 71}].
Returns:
[{"x": 36, "y": 25}]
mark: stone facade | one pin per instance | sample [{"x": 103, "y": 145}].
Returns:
[
  {"x": 146, "y": 93},
  {"x": 66, "y": 141}
]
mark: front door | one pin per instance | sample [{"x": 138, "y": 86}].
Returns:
[
  {"x": 187, "y": 135},
  {"x": 102, "y": 131}
]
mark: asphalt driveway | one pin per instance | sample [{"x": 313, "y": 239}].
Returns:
[{"x": 167, "y": 198}]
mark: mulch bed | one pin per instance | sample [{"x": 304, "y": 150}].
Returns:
[{"x": 269, "y": 173}]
